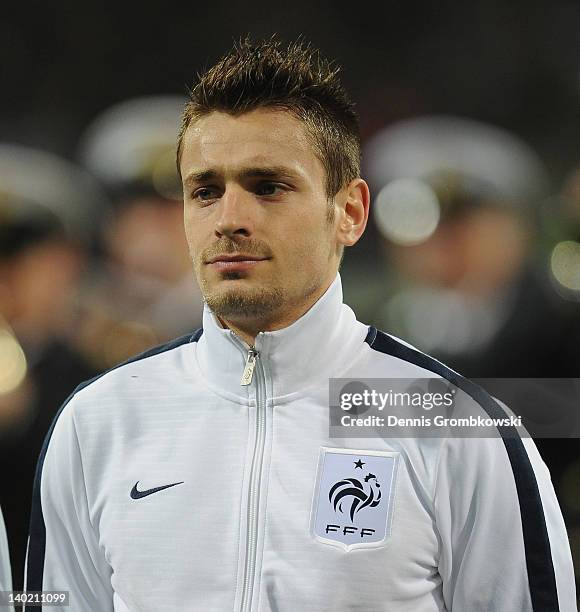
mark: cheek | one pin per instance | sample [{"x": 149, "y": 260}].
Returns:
[
  {"x": 192, "y": 233},
  {"x": 199, "y": 225},
  {"x": 310, "y": 245},
  {"x": 193, "y": 246}
]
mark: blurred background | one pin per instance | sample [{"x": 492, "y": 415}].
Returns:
[{"x": 470, "y": 117}]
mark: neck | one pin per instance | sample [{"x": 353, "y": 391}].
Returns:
[{"x": 248, "y": 329}]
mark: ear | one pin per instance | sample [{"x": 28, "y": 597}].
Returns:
[{"x": 353, "y": 211}]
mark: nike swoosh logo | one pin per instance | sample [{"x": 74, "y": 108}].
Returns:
[{"x": 136, "y": 494}]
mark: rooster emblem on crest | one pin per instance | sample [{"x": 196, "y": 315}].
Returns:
[{"x": 363, "y": 495}]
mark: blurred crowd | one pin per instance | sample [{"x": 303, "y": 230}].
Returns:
[{"x": 473, "y": 256}]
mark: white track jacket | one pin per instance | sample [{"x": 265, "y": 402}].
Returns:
[{"x": 165, "y": 484}]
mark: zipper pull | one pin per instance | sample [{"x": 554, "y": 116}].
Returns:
[{"x": 249, "y": 368}]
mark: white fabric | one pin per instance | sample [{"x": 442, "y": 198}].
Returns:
[
  {"x": 181, "y": 416},
  {"x": 5, "y": 574}
]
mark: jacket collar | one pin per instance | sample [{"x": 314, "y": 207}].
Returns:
[{"x": 318, "y": 345}]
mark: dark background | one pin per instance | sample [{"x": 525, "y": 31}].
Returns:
[{"x": 515, "y": 64}]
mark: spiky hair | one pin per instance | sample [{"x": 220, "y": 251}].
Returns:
[{"x": 293, "y": 78}]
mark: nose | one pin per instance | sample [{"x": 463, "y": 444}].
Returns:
[{"x": 234, "y": 214}]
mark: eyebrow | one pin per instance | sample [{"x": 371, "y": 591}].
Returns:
[{"x": 268, "y": 172}]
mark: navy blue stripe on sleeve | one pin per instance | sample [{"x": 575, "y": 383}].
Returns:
[
  {"x": 37, "y": 536},
  {"x": 541, "y": 575}
]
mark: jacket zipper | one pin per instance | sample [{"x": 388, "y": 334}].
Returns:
[
  {"x": 249, "y": 368},
  {"x": 254, "y": 366}
]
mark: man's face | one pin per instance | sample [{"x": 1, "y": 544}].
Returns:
[{"x": 256, "y": 214}]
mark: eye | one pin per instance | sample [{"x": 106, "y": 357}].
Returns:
[
  {"x": 205, "y": 194},
  {"x": 270, "y": 189}
]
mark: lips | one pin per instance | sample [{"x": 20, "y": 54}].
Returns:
[{"x": 238, "y": 263}]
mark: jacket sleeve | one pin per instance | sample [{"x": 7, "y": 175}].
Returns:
[
  {"x": 5, "y": 574},
  {"x": 63, "y": 549},
  {"x": 503, "y": 542}
]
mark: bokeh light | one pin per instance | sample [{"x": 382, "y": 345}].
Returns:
[
  {"x": 565, "y": 264},
  {"x": 407, "y": 211},
  {"x": 12, "y": 363}
]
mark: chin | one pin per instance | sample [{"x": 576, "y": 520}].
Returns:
[{"x": 244, "y": 301}]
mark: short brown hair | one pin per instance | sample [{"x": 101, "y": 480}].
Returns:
[{"x": 296, "y": 79}]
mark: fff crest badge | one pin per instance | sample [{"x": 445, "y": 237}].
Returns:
[{"x": 353, "y": 498}]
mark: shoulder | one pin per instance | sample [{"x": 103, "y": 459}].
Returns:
[
  {"x": 466, "y": 452},
  {"x": 156, "y": 369},
  {"x": 405, "y": 360},
  {"x": 149, "y": 363},
  {"x": 387, "y": 346}
]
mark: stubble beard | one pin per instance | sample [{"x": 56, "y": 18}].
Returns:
[{"x": 237, "y": 303}]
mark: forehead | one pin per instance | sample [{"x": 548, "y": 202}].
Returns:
[{"x": 263, "y": 136}]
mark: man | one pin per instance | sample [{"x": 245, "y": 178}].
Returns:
[{"x": 195, "y": 476}]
